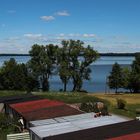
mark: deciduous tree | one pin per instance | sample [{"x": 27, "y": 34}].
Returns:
[
  {"x": 75, "y": 63},
  {"x": 41, "y": 64}
]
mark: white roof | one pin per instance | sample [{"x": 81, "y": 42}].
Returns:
[
  {"x": 61, "y": 125},
  {"x": 62, "y": 119}
]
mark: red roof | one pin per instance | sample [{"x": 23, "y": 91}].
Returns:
[
  {"x": 135, "y": 136},
  {"x": 51, "y": 112},
  {"x": 43, "y": 109},
  {"x": 34, "y": 105}
]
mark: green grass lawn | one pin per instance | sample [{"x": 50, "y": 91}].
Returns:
[
  {"x": 11, "y": 93},
  {"x": 70, "y": 97},
  {"x": 132, "y": 103},
  {"x": 133, "y": 100}
]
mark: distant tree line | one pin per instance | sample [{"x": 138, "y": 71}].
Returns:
[
  {"x": 127, "y": 78},
  {"x": 118, "y": 54},
  {"x": 71, "y": 61},
  {"x": 101, "y": 54},
  {"x": 13, "y": 54}
]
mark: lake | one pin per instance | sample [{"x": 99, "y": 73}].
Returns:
[{"x": 100, "y": 70}]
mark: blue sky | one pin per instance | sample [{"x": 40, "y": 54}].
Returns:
[{"x": 107, "y": 25}]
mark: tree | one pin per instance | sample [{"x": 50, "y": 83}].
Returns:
[
  {"x": 89, "y": 55},
  {"x": 64, "y": 64},
  {"x": 115, "y": 77},
  {"x": 126, "y": 78},
  {"x": 64, "y": 73},
  {"x": 41, "y": 64},
  {"x": 135, "y": 75},
  {"x": 7, "y": 74},
  {"x": 75, "y": 60},
  {"x": 14, "y": 76},
  {"x": 31, "y": 84}
]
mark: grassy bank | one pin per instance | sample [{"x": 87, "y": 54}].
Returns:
[
  {"x": 70, "y": 97},
  {"x": 132, "y": 103},
  {"x": 133, "y": 100},
  {"x": 4, "y": 93}
]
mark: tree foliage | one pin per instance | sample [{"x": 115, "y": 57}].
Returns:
[
  {"x": 127, "y": 77},
  {"x": 126, "y": 71},
  {"x": 64, "y": 64},
  {"x": 41, "y": 64},
  {"x": 74, "y": 62},
  {"x": 71, "y": 61},
  {"x": 135, "y": 75},
  {"x": 15, "y": 76},
  {"x": 115, "y": 78}
]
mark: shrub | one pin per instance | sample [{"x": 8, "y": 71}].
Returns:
[
  {"x": 84, "y": 107},
  {"x": 121, "y": 104},
  {"x": 92, "y": 107},
  {"x": 137, "y": 111},
  {"x": 104, "y": 110}
]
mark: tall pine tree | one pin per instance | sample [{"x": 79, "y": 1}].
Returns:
[{"x": 115, "y": 78}]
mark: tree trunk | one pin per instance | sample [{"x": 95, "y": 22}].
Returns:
[
  {"x": 131, "y": 91},
  {"x": 45, "y": 85},
  {"x": 116, "y": 90},
  {"x": 80, "y": 84},
  {"x": 74, "y": 86},
  {"x": 65, "y": 86}
]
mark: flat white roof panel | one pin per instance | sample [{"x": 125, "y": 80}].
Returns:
[
  {"x": 54, "y": 129},
  {"x": 75, "y": 123},
  {"x": 78, "y": 117},
  {"x": 62, "y": 119},
  {"x": 43, "y": 122}
]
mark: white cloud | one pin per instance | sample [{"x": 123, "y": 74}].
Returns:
[
  {"x": 89, "y": 35},
  {"x": 62, "y": 13},
  {"x": 40, "y": 38},
  {"x": 11, "y": 11},
  {"x": 33, "y": 36},
  {"x": 61, "y": 34},
  {"x": 23, "y": 43},
  {"x": 12, "y": 39},
  {"x": 7, "y": 46},
  {"x": 79, "y": 35},
  {"x": 47, "y": 18},
  {"x": 36, "y": 38},
  {"x": 3, "y": 25},
  {"x": 59, "y": 13}
]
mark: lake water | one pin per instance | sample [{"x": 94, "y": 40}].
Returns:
[{"x": 100, "y": 70}]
